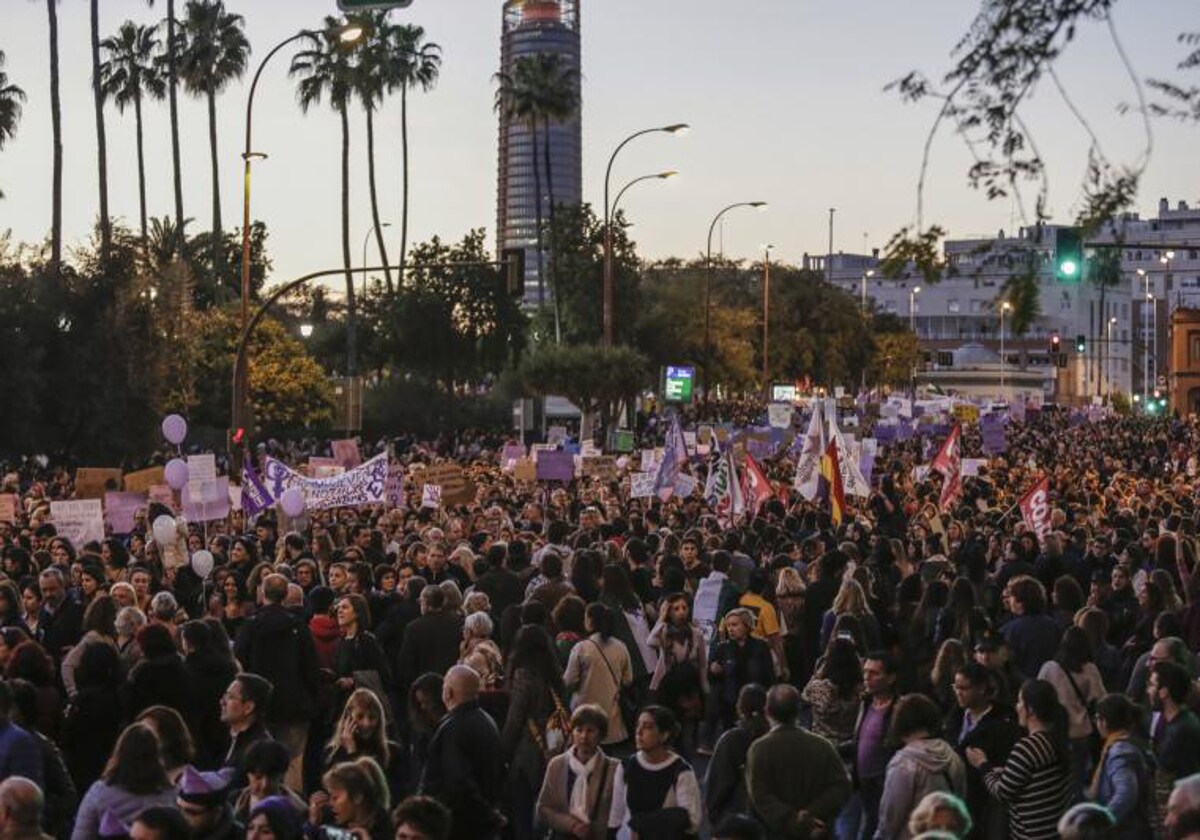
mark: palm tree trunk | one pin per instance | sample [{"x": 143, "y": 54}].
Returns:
[
  {"x": 351, "y": 308},
  {"x": 217, "y": 272},
  {"x": 172, "y": 89},
  {"x": 550, "y": 193},
  {"x": 101, "y": 140},
  {"x": 56, "y": 127},
  {"x": 141, "y": 161},
  {"x": 383, "y": 255},
  {"x": 404, "y": 183},
  {"x": 537, "y": 211}
]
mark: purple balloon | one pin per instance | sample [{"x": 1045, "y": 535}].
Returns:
[
  {"x": 176, "y": 473},
  {"x": 174, "y": 429},
  {"x": 292, "y": 502}
]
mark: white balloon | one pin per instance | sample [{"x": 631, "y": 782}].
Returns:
[
  {"x": 292, "y": 501},
  {"x": 164, "y": 530},
  {"x": 202, "y": 563},
  {"x": 176, "y": 473}
]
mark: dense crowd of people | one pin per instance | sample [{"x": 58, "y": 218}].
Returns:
[{"x": 531, "y": 665}]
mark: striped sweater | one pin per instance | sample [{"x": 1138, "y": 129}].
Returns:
[{"x": 1035, "y": 785}]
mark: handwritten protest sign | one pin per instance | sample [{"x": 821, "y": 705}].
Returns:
[
  {"x": 93, "y": 482},
  {"x": 457, "y": 489},
  {"x": 395, "y": 485},
  {"x": 206, "y": 501},
  {"x": 120, "y": 508},
  {"x": 80, "y": 521},
  {"x": 641, "y": 485},
  {"x": 603, "y": 467},
  {"x": 142, "y": 480}
]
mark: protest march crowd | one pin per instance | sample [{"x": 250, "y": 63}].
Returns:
[{"x": 874, "y": 621}]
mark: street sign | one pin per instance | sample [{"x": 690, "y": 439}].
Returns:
[
  {"x": 368, "y": 5},
  {"x": 677, "y": 383}
]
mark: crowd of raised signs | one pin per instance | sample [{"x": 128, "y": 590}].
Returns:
[{"x": 830, "y": 619}]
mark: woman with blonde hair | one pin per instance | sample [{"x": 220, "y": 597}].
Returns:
[
  {"x": 479, "y": 651},
  {"x": 851, "y": 600},
  {"x": 354, "y": 796},
  {"x": 361, "y": 732},
  {"x": 477, "y": 601}
]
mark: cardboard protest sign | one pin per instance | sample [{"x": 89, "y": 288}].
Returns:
[
  {"x": 966, "y": 413},
  {"x": 603, "y": 467},
  {"x": 456, "y": 488},
  {"x": 555, "y": 466},
  {"x": 120, "y": 508},
  {"x": 202, "y": 467},
  {"x": 395, "y": 485},
  {"x": 92, "y": 482},
  {"x": 80, "y": 521},
  {"x": 641, "y": 485},
  {"x": 142, "y": 480},
  {"x": 163, "y": 494},
  {"x": 525, "y": 470},
  {"x": 345, "y": 453},
  {"x": 10, "y": 503}
]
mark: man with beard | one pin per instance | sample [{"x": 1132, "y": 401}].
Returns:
[{"x": 1175, "y": 729}]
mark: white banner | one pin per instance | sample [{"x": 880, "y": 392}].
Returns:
[{"x": 363, "y": 485}]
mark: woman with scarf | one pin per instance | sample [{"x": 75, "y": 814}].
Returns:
[
  {"x": 576, "y": 794},
  {"x": 680, "y": 676}
]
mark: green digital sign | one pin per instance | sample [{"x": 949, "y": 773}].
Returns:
[{"x": 678, "y": 383}]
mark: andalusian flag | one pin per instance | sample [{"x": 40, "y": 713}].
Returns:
[{"x": 831, "y": 478}]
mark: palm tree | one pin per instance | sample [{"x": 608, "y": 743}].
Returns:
[
  {"x": 56, "y": 133},
  {"x": 131, "y": 72},
  {"x": 171, "y": 61},
  {"x": 101, "y": 139},
  {"x": 327, "y": 72},
  {"x": 369, "y": 86},
  {"x": 412, "y": 62},
  {"x": 213, "y": 52},
  {"x": 11, "y": 98},
  {"x": 541, "y": 90}
]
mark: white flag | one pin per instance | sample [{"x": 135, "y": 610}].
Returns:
[{"x": 808, "y": 465}]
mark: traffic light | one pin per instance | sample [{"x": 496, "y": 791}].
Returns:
[
  {"x": 1080, "y": 343},
  {"x": 1068, "y": 255},
  {"x": 514, "y": 271},
  {"x": 1055, "y": 343}
]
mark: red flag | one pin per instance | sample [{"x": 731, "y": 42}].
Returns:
[
  {"x": 831, "y": 473},
  {"x": 948, "y": 462},
  {"x": 755, "y": 486},
  {"x": 1035, "y": 508}
]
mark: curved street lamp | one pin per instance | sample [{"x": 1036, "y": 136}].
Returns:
[
  {"x": 609, "y": 212},
  {"x": 708, "y": 283}
]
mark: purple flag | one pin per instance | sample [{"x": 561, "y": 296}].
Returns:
[
  {"x": 675, "y": 455},
  {"x": 255, "y": 496},
  {"x": 992, "y": 430}
]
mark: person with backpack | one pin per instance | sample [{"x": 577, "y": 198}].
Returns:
[{"x": 924, "y": 764}]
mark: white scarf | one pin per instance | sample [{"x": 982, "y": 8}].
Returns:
[{"x": 578, "y": 802}]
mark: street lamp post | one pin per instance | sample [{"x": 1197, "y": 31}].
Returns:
[
  {"x": 1141, "y": 272},
  {"x": 766, "y": 329},
  {"x": 1004, "y": 307},
  {"x": 1108, "y": 356},
  {"x": 912, "y": 327},
  {"x": 708, "y": 285},
  {"x": 870, "y": 272},
  {"x": 608, "y": 214},
  {"x": 349, "y": 35}
]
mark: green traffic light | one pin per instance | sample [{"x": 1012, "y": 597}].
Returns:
[{"x": 1068, "y": 268}]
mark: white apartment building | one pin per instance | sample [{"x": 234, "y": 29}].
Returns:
[{"x": 1123, "y": 335}]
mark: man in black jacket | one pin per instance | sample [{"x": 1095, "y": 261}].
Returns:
[
  {"x": 60, "y": 622},
  {"x": 465, "y": 771},
  {"x": 980, "y": 722},
  {"x": 501, "y": 584},
  {"x": 276, "y": 644},
  {"x": 431, "y": 641}
]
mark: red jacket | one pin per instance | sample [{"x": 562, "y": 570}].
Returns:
[{"x": 325, "y": 635}]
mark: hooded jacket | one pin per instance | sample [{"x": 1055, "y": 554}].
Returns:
[
  {"x": 921, "y": 767},
  {"x": 326, "y": 634}
]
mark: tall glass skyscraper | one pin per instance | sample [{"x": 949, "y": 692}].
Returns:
[{"x": 529, "y": 27}]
